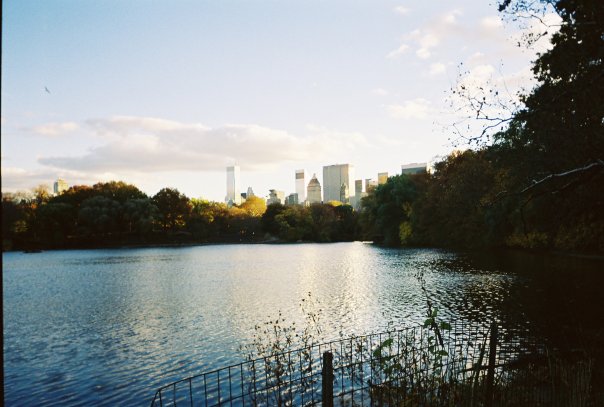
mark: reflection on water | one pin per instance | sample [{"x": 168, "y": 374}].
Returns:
[{"x": 110, "y": 326}]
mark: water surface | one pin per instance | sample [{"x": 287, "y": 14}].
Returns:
[{"x": 108, "y": 327}]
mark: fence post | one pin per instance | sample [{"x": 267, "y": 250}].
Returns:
[
  {"x": 491, "y": 368},
  {"x": 327, "y": 380}
]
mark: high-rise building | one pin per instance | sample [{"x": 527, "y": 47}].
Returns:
[
  {"x": 334, "y": 178},
  {"x": 370, "y": 185},
  {"x": 291, "y": 199},
  {"x": 382, "y": 178},
  {"x": 358, "y": 187},
  {"x": 313, "y": 190},
  {"x": 301, "y": 185},
  {"x": 414, "y": 168},
  {"x": 275, "y": 196},
  {"x": 250, "y": 192},
  {"x": 59, "y": 186},
  {"x": 233, "y": 196},
  {"x": 355, "y": 202}
]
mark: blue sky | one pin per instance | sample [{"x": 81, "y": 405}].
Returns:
[{"x": 168, "y": 93}]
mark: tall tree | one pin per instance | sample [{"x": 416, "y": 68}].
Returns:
[{"x": 174, "y": 208}]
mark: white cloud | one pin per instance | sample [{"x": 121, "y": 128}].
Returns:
[
  {"x": 423, "y": 53},
  {"x": 437, "y": 69},
  {"x": 491, "y": 23},
  {"x": 144, "y": 144},
  {"x": 430, "y": 35},
  {"x": 14, "y": 178},
  {"x": 411, "y": 109},
  {"x": 450, "y": 17},
  {"x": 402, "y": 10},
  {"x": 398, "y": 52},
  {"x": 55, "y": 129}
]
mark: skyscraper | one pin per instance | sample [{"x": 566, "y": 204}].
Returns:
[
  {"x": 275, "y": 197},
  {"x": 59, "y": 186},
  {"x": 414, "y": 168},
  {"x": 313, "y": 190},
  {"x": 358, "y": 187},
  {"x": 370, "y": 185},
  {"x": 301, "y": 185},
  {"x": 233, "y": 195},
  {"x": 334, "y": 178}
]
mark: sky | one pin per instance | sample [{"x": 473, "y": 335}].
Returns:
[{"x": 169, "y": 93}]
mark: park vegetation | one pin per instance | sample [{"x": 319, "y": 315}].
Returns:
[{"x": 533, "y": 179}]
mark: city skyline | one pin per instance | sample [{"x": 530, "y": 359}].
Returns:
[{"x": 271, "y": 87}]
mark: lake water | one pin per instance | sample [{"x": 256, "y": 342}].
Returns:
[{"x": 108, "y": 327}]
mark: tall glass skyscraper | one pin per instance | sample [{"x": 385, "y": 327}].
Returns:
[
  {"x": 233, "y": 195},
  {"x": 338, "y": 183}
]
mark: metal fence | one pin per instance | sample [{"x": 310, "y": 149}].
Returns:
[{"x": 459, "y": 364}]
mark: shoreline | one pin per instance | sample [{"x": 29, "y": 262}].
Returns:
[{"x": 275, "y": 241}]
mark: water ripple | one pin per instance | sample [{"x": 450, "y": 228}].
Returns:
[{"x": 108, "y": 327}]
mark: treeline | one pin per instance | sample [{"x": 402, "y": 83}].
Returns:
[
  {"x": 484, "y": 199},
  {"x": 115, "y": 213}
]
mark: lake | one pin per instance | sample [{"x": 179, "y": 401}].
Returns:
[{"x": 107, "y": 327}]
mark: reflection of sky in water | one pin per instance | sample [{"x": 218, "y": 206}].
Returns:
[{"x": 110, "y": 326}]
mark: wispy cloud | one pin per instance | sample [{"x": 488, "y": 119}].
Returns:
[
  {"x": 402, "y": 10},
  {"x": 146, "y": 144},
  {"x": 55, "y": 129},
  {"x": 426, "y": 38},
  {"x": 411, "y": 109},
  {"x": 398, "y": 52}
]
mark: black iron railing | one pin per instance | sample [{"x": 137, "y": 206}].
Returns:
[{"x": 460, "y": 364}]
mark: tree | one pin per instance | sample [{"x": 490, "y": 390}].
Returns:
[
  {"x": 140, "y": 215},
  {"x": 118, "y": 191},
  {"x": 268, "y": 220},
  {"x": 254, "y": 206},
  {"x": 390, "y": 206},
  {"x": 451, "y": 212},
  {"x": 100, "y": 215},
  {"x": 174, "y": 208}
]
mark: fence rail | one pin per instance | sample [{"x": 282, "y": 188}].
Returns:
[{"x": 462, "y": 365}]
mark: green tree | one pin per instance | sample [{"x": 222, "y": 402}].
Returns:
[
  {"x": 140, "y": 215},
  {"x": 452, "y": 211},
  {"x": 390, "y": 206},
  {"x": 268, "y": 221},
  {"x": 119, "y": 191},
  {"x": 55, "y": 223},
  {"x": 99, "y": 216},
  {"x": 294, "y": 223},
  {"x": 174, "y": 208}
]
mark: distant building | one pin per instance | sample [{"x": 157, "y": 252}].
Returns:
[
  {"x": 250, "y": 192},
  {"x": 414, "y": 168},
  {"x": 275, "y": 196},
  {"x": 291, "y": 199},
  {"x": 382, "y": 178},
  {"x": 355, "y": 202},
  {"x": 313, "y": 191},
  {"x": 337, "y": 178},
  {"x": 60, "y": 186},
  {"x": 358, "y": 187},
  {"x": 233, "y": 196},
  {"x": 370, "y": 185},
  {"x": 301, "y": 185}
]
